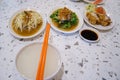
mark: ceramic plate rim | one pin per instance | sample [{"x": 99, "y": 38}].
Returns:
[
  {"x": 80, "y": 24},
  {"x": 93, "y": 1},
  {"x": 34, "y": 35}
]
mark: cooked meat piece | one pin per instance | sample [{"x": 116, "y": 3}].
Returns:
[
  {"x": 92, "y": 18},
  {"x": 98, "y": 19},
  {"x": 64, "y": 14},
  {"x": 104, "y": 19}
]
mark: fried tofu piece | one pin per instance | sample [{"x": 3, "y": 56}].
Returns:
[
  {"x": 104, "y": 19},
  {"x": 92, "y": 18}
]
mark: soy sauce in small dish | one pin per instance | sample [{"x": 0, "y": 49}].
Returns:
[{"x": 89, "y": 35}]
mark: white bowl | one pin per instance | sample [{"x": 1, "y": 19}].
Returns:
[
  {"x": 31, "y": 36},
  {"x": 28, "y": 58},
  {"x": 90, "y": 35},
  {"x": 79, "y": 15}
]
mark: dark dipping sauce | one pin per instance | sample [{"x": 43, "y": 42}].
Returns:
[{"x": 89, "y": 35}]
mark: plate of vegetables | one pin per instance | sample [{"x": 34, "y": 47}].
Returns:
[
  {"x": 65, "y": 19},
  {"x": 97, "y": 17}
]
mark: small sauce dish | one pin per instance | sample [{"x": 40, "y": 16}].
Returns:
[{"x": 89, "y": 35}]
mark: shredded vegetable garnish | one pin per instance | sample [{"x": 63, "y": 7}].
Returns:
[
  {"x": 91, "y": 7},
  {"x": 27, "y": 20}
]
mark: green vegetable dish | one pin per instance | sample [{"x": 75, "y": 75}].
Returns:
[{"x": 64, "y": 19}]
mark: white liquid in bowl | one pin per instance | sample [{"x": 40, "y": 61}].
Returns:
[{"x": 28, "y": 58}]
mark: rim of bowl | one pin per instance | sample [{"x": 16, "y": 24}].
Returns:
[
  {"x": 51, "y": 76},
  {"x": 91, "y": 29},
  {"x": 27, "y": 37}
]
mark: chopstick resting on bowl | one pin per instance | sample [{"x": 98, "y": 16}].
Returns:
[{"x": 41, "y": 64}]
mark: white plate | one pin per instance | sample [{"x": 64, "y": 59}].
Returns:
[
  {"x": 26, "y": 37},
  {"x": 79, "y": 26},
  {"x": 100, "y": 27},
  {"x": 90, "y": 29},
  {"x": 91, "y": 1}
]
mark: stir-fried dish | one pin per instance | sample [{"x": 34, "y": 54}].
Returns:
[
  {"x": 97, "y": 15},
  {"x": 64, "y": 19},
  {"x": 27, "y": 23}
]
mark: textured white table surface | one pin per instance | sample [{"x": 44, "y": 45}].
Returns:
[{"x": 81, "y": 60}]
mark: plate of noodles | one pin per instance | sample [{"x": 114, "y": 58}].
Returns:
[{"x": 27, "y": 23}]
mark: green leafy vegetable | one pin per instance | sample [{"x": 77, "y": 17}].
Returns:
[
  {"x": 54, "y": 16},
  {"x": 74, "y": 19}
]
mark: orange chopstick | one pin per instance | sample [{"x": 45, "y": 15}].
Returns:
[{"x": 41, "y": 64}]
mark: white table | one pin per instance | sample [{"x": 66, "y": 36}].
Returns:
[{"x": 81, "y": 60}]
